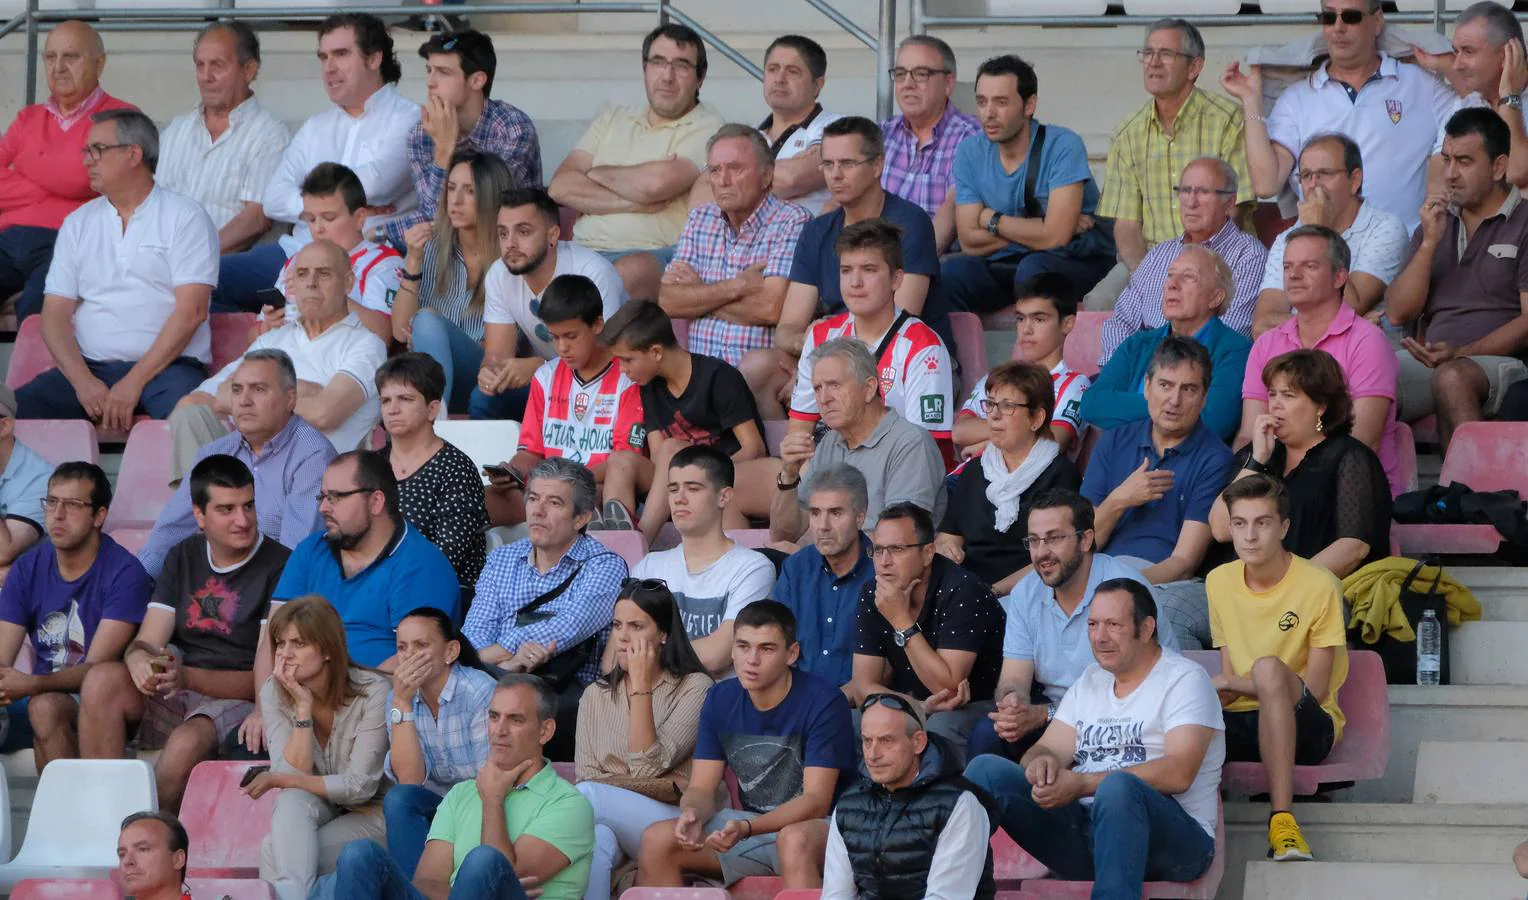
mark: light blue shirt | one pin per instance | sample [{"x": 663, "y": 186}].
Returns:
[
  {"x": 980, "y": 177},
  {"x": 1057, "y": 643},
  {"x": 23, "y": 484},
  {"x": 454, "y": 744}
]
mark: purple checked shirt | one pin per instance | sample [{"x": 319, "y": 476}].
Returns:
[{"x": 923, "y": 175}]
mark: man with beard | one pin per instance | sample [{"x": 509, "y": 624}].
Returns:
[
  {"x": 367, "y": 561},
  {"x": 1045, "y": 646}
]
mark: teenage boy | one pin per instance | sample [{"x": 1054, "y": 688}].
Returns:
[
  {"x": 334, "y": 208},
  {"x": 1047, "y": 310},
  {"x": 787, "y": 736},
  {"x": 1277, "y": 619},
  {"x": 189, "y": 678},
  {"x": 688, "y": 399},
  {"x": 916, "y": 374},
  {"x": 581, "y": 406},
  {"x": 710, "y": 575}
]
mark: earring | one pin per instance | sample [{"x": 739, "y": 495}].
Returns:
[{"x": 1319, "y": 427}]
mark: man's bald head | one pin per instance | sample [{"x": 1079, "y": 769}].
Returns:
[
  {"x": 73, "y": 59},
  {"x": 319, "y": 281}
]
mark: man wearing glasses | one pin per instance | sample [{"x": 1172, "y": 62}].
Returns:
[
  {"x": 631, "y": 173},
  {"x": 1393, "y": 111},
  {"x": 932, "y": 841},
  {"x": 927, "y": 628},
  {"x": 1045, "y": 639},
  {"x": 1206, "y": 192},
  {"x": 367, "y": 561},
  {"x": 1179, "y": 124}
]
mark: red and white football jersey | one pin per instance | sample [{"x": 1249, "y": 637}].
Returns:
[
  {"x": 584, "y": 421},
  {"x": 917, "y": 379}
]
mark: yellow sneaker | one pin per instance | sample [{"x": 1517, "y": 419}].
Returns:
[{"x": 1285, "y": 842}]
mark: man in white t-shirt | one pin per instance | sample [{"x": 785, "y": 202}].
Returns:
[
  {"x": 711, "y": 576},
  {"x": 125, "y": 305},
  {"x": 336, "y": 360},
  {"x": 795, "y": 68},
  {"x": 531, "y": 253},
  {"x": 1124, "y": 785}
]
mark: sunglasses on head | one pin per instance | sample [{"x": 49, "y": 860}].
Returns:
[
  {"x": 1348, "y": 16},
  {"x": 645, "y": 584},
  {"x": 895, "y": 701}
]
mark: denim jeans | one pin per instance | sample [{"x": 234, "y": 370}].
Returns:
[
  {"x": 408, "y": 809},
  {"x": 984, "y": 741},
  {"x": 242, "y": 276},
  {"x": 1130, "y": 833},
  {"x": 982, "y": 285},
  {"x": 367, "y": 872},
  {"x": 26, "y": 251},
  {"x": 51, "y": 396},
  {"x": 445, "y": 342}
]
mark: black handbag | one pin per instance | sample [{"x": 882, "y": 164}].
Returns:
[
  {"x": 561, "y": 671},
  {"x": 1400, "y": 657}
]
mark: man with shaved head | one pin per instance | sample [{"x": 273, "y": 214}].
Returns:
[{"x": 42, "y": 176}]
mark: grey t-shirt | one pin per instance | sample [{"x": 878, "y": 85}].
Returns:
[
  {"x": 714, "y": 594},
  {"x": 900, "y": 461}
]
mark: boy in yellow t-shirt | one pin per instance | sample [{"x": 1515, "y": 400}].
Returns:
[{"x": 1277, "y": 619}]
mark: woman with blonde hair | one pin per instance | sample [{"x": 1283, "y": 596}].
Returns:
[{"x": 326, "y": 729}]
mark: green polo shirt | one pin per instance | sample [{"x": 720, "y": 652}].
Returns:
[{"x": 545, "y": 807}]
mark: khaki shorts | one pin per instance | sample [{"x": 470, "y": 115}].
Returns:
[
  {"x": 162, "y": 715},
  {"x": 1413, "y": 391}
]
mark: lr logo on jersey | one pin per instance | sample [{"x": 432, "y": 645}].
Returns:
[{"x": 931, "y": 409}]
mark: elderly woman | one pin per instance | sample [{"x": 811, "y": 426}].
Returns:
[
  {"x": 983, "y": 528},
  {"x": 325, "y": 725},
  {"x": 1339, "y": 500}
]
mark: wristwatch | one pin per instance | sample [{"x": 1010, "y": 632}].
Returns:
[
  {"x": 1514, "y": 101},
  {"x": 398, "y": 716},
  {"x": 902, "y": 637},
  {"x": 1050, "y": 711},
  {"x": 992, "y": 223},
  {"x": 784, "y": 485}
]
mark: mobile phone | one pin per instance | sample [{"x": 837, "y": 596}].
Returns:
[
  {"x": 252, "y": 773},
  {"x": 271, "y": 297},
  {"x": 504, "y": 472}
]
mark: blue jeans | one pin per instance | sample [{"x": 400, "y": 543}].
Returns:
[
  {"x": 407, "y": 809},
  {"x": 51, "y": 396},
  {"x": 984, "y": 741},
  {"x": 982, "y": 285},
  {"x": 445, "y": 342},
  {"x": 241, "y": 276},
  {"x": 366, "y": 872},
  {"x": 1131, "y": 832},
  {"x": 26, "y": 251}
]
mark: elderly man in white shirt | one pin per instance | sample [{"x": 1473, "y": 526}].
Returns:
[
  {"x": 366, "y": 130},
  {"x": 125, "y": 307},
  {"x": 222, "y": 153},
  {"x": 335, "y": 356}
]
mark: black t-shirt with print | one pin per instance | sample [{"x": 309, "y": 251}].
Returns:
[
  {"x": 716, "y": 400},
  {"x": 218, "y": 614}
]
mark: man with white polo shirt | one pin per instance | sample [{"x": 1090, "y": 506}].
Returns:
[
  {"x": 366, "y": 129},
  {"x": 1393, "y": 110},
  {"x": 125, "y": 307},
  {"x": 795, "y": 68},
  {"x": 223, "y": 153}
]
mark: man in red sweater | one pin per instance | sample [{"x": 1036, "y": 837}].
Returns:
[{"x": 42, "y": 176}]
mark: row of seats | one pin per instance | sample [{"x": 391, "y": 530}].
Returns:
[{"x": 1021, "y": 8}]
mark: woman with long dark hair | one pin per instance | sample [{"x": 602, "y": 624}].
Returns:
[
  {"x": 437, "y": 716},
  {"x": 637, "y": 726}
]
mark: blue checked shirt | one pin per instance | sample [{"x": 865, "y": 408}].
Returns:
[
  {"x": 509, "y": 583},
  {"x": 455, "y": 744}
]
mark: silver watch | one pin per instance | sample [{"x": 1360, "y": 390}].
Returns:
[
  {"x": 398, "y": 716},
  {"x": 1513, "y": 101}
]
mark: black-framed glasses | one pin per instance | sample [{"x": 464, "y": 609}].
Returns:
[
  {"x": 920, "y": 75},
  {"x": 1147, "y": 54},
  {"x": 1006, "y": 407},
  {"x": 1184, "y": 192},
  {"x": 898, "y": 702},
  {"x": 1348, "y": 16},
  {"x": 879, "y": 550},
  {"x": 332, "y": 497},
  {"x": 829, "y": 166},
  {"x": 96, "y": 151},
  {"x": 1035, "y": 541}
]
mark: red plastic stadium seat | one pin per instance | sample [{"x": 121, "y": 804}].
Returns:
[
  {"x": 682, "y": 332},
  {"x": 1487, "y": 456},
  {"x": 66, "y": 888},
  {"x": 143, "y": 482},
  {"x": 230, "y": 337},
  {"x": 1406, "y": 456},
  {"x": 29, "y": 356},
  {"x": 970, "y": 350},
  {"x": 774, "y": 433},
  {"x": 673, "y": 893},
  {"x": 131, "y": 539},
  {"x": 564, "y": 771},
  {"x": 231, "y": 888},
  {"x": 59, "y": 440},
  {"x": 752, "y": 538},
  {"x": 225, "y": 826},
  {"x": 757, "y": 887},
  {"x": 1085, "y": 344},
  {"x": 799, "y": 894},
  {"x": 1203, "y": 888},
  {"x": 630, "y": 545},
  {"x": 1012, "y": 864}
]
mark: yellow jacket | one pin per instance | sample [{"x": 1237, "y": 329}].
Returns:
[{"x": 1374, "y": 594}]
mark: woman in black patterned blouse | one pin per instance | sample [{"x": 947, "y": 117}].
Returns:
[{"x": 439, "y": 489}]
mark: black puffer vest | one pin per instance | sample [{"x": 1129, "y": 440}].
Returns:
[{"x": 891, "y": 836}]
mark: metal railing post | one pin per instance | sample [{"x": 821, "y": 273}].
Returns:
[
  {"x": 31, "y": 57},
  {"x": 885, "y": 57},
  {"x": 1438, "y": 16},
  {"x": 915, "y": 17},
  {"x": 663, "y": 12}
]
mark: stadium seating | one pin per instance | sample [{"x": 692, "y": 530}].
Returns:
[
  {"x": 76, "y": 813},
  {"x": 799, "y": 894},
  {"x": 630, "y": 545},
  {"x": 224, "y": 824},
  {"x": 1084, "y": 345},
  {"x": 565, "y": 771},
  {"x": 671, "y": 893},
  {"x": 143, "y": 482},
  {"x": 1487, "y": 456},
  {"x": 131, "y": 539},
  {"x": 66, "y": 889},
  {"x": 1011, "y": 864},
  {"x": 774, "y": 433},
  {"x": 230, "y": 337},
  {"x": 753, "y": 538},
  {"x": 30, "y": 357},
  {"x": 682, "y": 332},
  {"x": 487, "y": 442},
  {"x": 970, "y": 350},
  {"x": 757, "y": 887},
  {"x": 59, "y": 440},
  {"x": 1406, "y": 456},
  {"x": 231, "y": 889}
]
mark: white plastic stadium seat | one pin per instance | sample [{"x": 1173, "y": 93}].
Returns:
[
  {"x": 76, "y": 815},
  {"x": 1037, "y": 7},
  {"x": 1289, "y": 7},
  {"x": 487, "y": 442},
  {"x": 1428, "y": 5},
  {"x": 1182, "y": 7}
]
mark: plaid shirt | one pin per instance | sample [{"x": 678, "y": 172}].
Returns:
[
  {"x": 716, "y": 253},
  {"x": 1145, "y": 161},
  {"x": 502, "y": 130},
  {"x": 1139, "y": 308},
  {"x": 923, "y": 175},
  {"x": 455, "y": 744},
  {"x": 509, "y": 583}
]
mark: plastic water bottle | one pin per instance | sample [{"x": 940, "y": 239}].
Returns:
[{"x": 1429, "y": 646}]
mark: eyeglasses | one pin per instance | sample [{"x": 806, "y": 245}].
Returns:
[
  {"x": 895, "y": 701},
  {"x": 1006, "y": 407},
  {"x": 69, "y": 504},
  {"x": 96, "y": 151},
  {"x": 332, "y": 497},
  {"x": 1169, "y": 57},
  {"x": 920, "y": 75},
  {"x": 1348, "y": 16},
  {"x": 829, "y": 166},
  {"x": 677, "y": 66},
  {"x": 879, "y": 550},
  {"x": 1185, "y": 192},
  {"x": 1319, "y": 174},
  {"x": 1034, "y": 542}
]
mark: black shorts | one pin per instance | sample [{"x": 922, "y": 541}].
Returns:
[{"x": 1314, "y": 733}]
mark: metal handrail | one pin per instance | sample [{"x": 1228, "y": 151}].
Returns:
[{"x": 922, "y": 21}]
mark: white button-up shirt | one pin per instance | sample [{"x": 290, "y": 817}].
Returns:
[
  {"x": 224, "y": 174},
  {"x": 374, "y": 145},
  {"x": 124, "y": 278}
]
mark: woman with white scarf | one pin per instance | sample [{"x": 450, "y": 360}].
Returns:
[{"x": 983, "y": 529}]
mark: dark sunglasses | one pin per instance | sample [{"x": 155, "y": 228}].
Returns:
[
  {"x": 1348, "y": 16},
  {"x": 631, "y": 585},
  {"x": 895, "y": 701}
]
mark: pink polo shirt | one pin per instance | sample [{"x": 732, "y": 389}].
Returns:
[
  {"x": 1362, "y": 352},
  {"x": 42, "y": 175}
]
